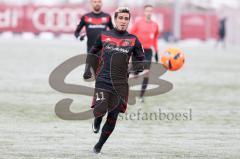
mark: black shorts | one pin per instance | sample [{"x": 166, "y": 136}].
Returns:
[
  {"x": 148, "y": 58},
  {"x": 106, "y": 101},
  {"x": 221, "y": 35}
]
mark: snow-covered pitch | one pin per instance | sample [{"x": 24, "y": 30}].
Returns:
[{"x": 208, "y": 87}]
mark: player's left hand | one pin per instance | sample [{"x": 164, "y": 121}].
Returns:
[
  {"x": 76, "y": 34},
  {"x": 82, "y": 37}
]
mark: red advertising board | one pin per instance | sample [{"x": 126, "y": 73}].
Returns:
[
  {"x": 201, "y": 26},
  {"x": 11, "y": 18},
  {"x": 64, "y": 18}
]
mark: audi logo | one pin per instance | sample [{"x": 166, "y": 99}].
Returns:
[{"x": 56, "y": 19}]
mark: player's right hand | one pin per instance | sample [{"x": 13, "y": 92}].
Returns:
[
  {"x": 87, "y": 72},
  {"x": 87, "y": 75}
]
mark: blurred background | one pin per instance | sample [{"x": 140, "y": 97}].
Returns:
[{"x": 178, "y": 19}]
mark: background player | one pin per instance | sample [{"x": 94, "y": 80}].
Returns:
[
  {"x": 222, "y": 32},
  {"x": 111, "y": 87},
  {"x": 147, "y": 31},
  {"x": 95, "y": 22}
]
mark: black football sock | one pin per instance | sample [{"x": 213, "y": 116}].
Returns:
[
  {"x": 97, "y": 121},
  {"x": 144, "y": 86},
  {"x": 108, "y": 128}
]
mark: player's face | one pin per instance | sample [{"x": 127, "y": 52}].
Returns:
[
  {"x": 96, "y": 5},
  {"x": 122, "y": 21},
  {"x": 148, "y": 12}
]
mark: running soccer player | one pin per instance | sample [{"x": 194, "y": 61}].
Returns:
[
  {"x": 111, "y": 87},
  {"x": 95, "y": 22},
  {"x": 147, "y": 31}
]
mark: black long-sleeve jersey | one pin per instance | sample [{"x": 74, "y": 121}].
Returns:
[
  {"x": 95, "y": 24},
  {"x": 115, "y": 48}
]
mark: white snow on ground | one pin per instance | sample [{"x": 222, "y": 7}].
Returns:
[{"x": 208, "y": 84}]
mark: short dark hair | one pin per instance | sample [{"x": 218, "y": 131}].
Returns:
[
  {"x": 148, "y": 5},
  {"x": 122, "y": 10}
]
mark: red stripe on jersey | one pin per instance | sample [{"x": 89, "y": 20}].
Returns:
[
  {"x": 97, "y": 21},
  {"x": 118, "y": 41}
]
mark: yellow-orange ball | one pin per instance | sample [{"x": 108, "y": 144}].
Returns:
[{"x": 172, "y": 59}]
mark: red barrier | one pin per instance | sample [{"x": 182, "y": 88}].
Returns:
[
  {"x": 64, "y": 19},
  {"x": 60, "y": 19},
  {"x": 11, "y": 18},
  {"x": 198, "y": 25},
  {"x": 36, "y": 19}
]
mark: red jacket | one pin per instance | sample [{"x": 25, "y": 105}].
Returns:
[{"x": 147, "y": 33}]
